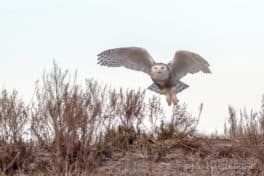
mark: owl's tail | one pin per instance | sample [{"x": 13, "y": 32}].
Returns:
[{"x": 177, "y": 88}]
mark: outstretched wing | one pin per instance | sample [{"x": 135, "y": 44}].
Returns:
[
  {"x": 134, "y": 58},
  {"x": 187, "y": 62}
]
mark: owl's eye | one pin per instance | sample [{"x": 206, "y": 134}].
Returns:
[
  {"x": 155, "y": 68},
  {"x": 162, "y": 68}
]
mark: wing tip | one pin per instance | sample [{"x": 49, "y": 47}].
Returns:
[{"x": 207, "y": 71}]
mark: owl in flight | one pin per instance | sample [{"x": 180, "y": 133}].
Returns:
[{"x": 166, "y": 77}]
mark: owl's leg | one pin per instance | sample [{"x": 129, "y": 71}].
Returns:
[
  {"x": 169, "y": 99},
  {"x": 168, "y": 96},
  {"x": 174, "y": 99}
]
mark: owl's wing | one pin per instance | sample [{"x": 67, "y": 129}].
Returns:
[
  {"x": 187, "y": 62},
  {"x": 134, "y": 58}
]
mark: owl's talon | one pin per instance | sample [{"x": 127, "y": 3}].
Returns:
[
  {"x": 175, "y": 100},
  {"x": 169, "y": 100},
  {"x": 169, "y": 103}
]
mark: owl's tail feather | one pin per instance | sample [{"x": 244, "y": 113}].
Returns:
[{"x": 179, "y": 86}]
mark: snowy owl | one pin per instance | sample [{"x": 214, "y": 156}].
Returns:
[{"x": 166, "y": 77}]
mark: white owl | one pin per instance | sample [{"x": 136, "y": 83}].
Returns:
[{"x": 166, "y": 77}]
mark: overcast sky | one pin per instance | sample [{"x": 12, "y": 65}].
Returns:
[{"x": 227, "y": 33}]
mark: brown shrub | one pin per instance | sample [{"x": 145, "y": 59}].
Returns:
[
  {"x": 247, "y": 129},
  {"x": 181, "y": 124},
  {"x": 74, "y": 127},
  {"x": 13, "y": 118}
]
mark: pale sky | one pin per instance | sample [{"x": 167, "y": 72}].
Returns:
[{"x": 227, "y": 33}]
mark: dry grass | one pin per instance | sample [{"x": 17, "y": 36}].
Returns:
[{"x": 70, "y": 129}]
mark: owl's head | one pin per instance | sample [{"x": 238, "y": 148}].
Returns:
[{"x": 160, "y": 71}]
